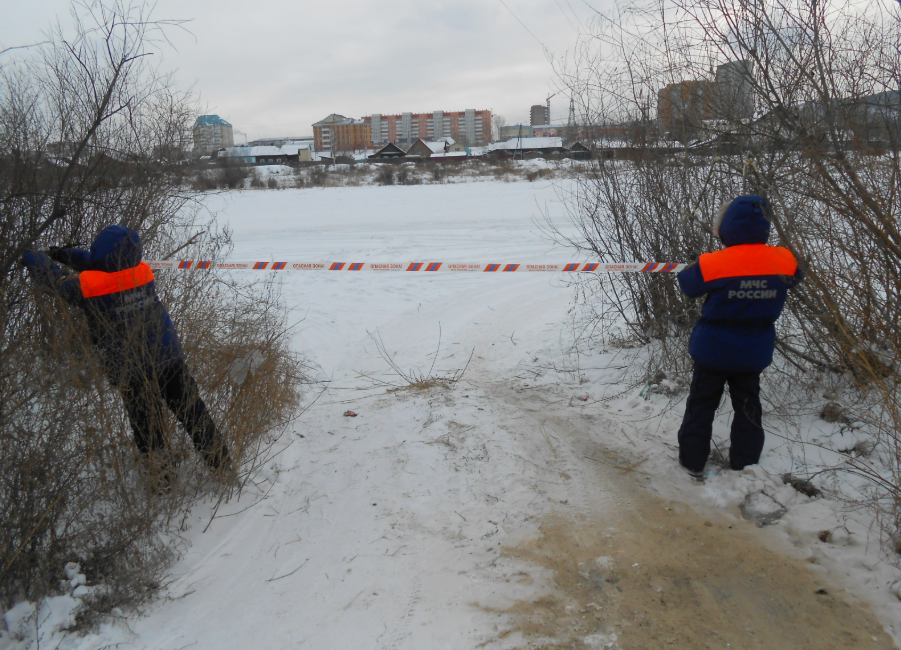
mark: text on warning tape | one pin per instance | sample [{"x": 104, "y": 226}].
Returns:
[{"x": 421, "y": 267}]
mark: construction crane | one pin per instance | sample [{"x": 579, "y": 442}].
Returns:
[{"x": 547, "y": 110}]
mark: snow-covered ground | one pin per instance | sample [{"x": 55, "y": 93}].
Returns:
[{"x": 392, "y": 529}]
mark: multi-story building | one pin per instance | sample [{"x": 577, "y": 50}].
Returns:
[
  {"x": 549, "y": 131},
  {"x": 735, "y": 90},
  {"x": 347, "y": 134},
  {"x": 515, "y": 131},
  {"x": 212, "y": 133},
  {"x": 471, "y": 127},
  {"x": 686, "y": 104},
  {"x": 538, "y": 115}
]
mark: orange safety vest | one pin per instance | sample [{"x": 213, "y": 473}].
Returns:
[
  {"x": 747, "y": 259},
  {"x": 100, "y": 283}
]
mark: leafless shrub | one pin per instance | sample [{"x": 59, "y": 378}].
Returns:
[
  {"x": 385, "y": 175},
  {"x": 438, "y": 172},
  {"x": 414, "y": 379},
  {"x": 408, "y": 176},
  {"x": 79, "y": 118},
  {"x": 203, "y": 181},
  {"x": 318, "y": 175},
  {"x": 232, "y": 173},
  {"x": 535, "y": 174},
  {"x": 810, "y": 119},
  {"x": 299, "y": 181}
]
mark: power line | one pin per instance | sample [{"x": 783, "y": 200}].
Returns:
[
  {"x": 543, "y": 46},
  {"x": 560, "y": 7}
]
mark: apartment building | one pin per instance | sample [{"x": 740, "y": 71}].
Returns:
[
  {"x": 538, "y": 115},
  {"x": 212, "y": 133},
  {"x": 735, "y": 90},
  {"x": 347, "y": 133},
  {"x": 688, "y": 103},
  {"x": 471, "y": 127}
]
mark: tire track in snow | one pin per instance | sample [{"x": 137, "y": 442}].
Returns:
[
  {"x": 402, "y": 626},
  {"x": 563, "y": 431}
]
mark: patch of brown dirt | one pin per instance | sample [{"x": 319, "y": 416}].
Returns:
[{"x": 663, "y": 576}]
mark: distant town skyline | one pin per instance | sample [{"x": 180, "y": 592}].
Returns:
[{"x": 275, "y": 68}]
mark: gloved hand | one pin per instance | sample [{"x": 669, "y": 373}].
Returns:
[
  {"x": 35, "y": 258},
  {"x": 56, "y": 253}
]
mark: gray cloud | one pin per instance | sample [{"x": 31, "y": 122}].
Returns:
[{"x": 275, "y": 67}]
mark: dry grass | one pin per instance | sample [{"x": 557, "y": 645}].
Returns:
[
  {"x": 72, "y": 485},
  {"x": 413, "y": 380}
]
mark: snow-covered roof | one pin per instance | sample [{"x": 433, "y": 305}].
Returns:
[
  {"x": 256, "y": 152},
  {"x": 450, "y": 154},
  {"x": 436, "y": 147},
  {"x": 526, "y": 143},
  {"x": 337, "y": 120},
  {"x": 264, "y": 151},
  {"x": 291, "y": 149}
]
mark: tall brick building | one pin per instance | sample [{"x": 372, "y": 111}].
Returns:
[
  {"x": 685, "y": 105},
  {"x": 470, "y": 127},
  {"x": 348, "y": 134}
]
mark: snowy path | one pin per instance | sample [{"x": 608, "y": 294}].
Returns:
[
  {"x": 439, "y": 519},
  {"x": 386, "y": 528}
]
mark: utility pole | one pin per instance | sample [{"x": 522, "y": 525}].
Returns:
[
  {"x": 332, "y": 138},
  {"x": 571, "y": 124}
]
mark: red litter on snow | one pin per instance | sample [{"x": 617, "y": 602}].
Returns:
[{"x": 350, "y": 414}]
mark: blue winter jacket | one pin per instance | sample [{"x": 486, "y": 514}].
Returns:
[
  {"x": 746, "y": 285},
  {"x": 116, "y": 290}
]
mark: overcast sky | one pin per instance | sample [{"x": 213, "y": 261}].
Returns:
[{"x": 273, "y": 67}]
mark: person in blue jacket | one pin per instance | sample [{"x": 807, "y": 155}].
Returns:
[
  {"x": 135, "y": 337},
  {"x": 746, "y": 285}
]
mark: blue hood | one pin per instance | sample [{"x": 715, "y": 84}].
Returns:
[
  {"x": 745, "y": 221},
  {"x": 116, "y": 248}
]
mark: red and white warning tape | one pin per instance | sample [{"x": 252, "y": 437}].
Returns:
[{"x": 581, "y": 267}]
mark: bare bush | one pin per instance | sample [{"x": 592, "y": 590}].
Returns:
[
  {"x": 203, "y": 181},
  {"x": 90, "y": 135},
  {"x": 385, "y": 175},
  {"x": 299, "y": 181},
  {"x": 806, "y": 113},
  {"x": 318, "y": 176},
  {"x": 414, "y": 379},
  {"x": 231, "y": 173},
  {"x": 438, "y": 172}
]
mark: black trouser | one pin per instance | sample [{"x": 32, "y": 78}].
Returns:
[
  {"x": 697, "y": 424},
  {"x": 144, "y": 395}
]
